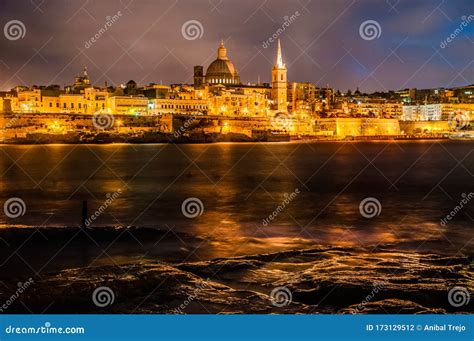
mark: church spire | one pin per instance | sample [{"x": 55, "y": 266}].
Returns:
[
  {"x": 279, "y": 61},
  {"x": 279, "y": 83}
]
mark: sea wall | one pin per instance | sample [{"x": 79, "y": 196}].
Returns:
[
  {"x": 418, "y": 127},
  {"x": 19, "y": 125},
  {"x": 342, "y": 127}
]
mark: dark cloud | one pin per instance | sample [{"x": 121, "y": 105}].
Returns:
[{"x": 322, "y": 45}]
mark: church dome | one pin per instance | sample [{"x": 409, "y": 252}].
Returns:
[{"x": 221, "y": 70}]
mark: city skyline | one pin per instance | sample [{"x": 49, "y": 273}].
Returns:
[{"x": 156, "y": 50}]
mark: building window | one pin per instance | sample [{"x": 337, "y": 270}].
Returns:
[{"x": 50, "y": 104}]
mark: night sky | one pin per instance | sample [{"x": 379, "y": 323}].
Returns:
[{"x": 323, "y": 45}]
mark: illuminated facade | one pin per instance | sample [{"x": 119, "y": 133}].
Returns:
[
  {"x": 239, "y": 102},
  {"x": 128, "y": 105},
  {"x": 425, "y": 112}
]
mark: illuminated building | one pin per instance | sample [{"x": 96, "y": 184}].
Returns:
[
  {"x": 158, "y": 106},
  {"x": 378, "y": 107},
  {"x": 464, "y": 94},
  {"x": 241, "y": 101},
  {"x": 27, "y": 100},
  {"x": 72, "y": 103},
  {"x": 50, "y": 104},
  {"x": 407, "y": 95},
  {"x": 221, "y": 70},
  {"x": 425, "y": 112},
  {"x": 127, "y": 105},
  {"x": 95, "y": 99}
]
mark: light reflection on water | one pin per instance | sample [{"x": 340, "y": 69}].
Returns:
[{"x": 242, "y": 184}]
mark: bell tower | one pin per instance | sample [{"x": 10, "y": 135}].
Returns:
[{"x": 279, "y": 83}]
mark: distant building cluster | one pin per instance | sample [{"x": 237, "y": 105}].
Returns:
[{"x": 219, "y": 92}]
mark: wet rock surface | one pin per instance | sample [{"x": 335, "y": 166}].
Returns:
[{"x": 319, "y": 280}]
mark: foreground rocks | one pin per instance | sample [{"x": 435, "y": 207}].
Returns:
[{"x": 322, "y": 280}]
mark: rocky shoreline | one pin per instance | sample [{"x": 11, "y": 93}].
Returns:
[{"x": 332, "y": 280}]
